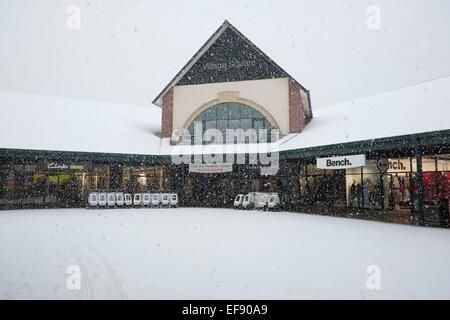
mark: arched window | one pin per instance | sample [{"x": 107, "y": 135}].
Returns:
[{"x": 231, "y": 115}]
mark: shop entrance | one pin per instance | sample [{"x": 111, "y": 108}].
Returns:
[
  {"x": 209, "y": 190},
  {"x": 322, "y": 188}
]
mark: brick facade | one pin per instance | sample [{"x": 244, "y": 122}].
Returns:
[
  {"x": 167, "y": 114},
  {"x": 296, "y": 110}
]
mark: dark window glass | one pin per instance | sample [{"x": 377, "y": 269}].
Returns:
[
  {"x": 222, "y": 113},
  {"x": 246, "y": 124},
  {"x": 234, "y": 111},
  {"x": 231, "y": 116},
  {"x": 234, "y": 124},
  {"x": 210, "y": 114},
  {"x": 222, "y": 125},
  {"x": 258, "y": 124},
  {"x": 210, "y": 124},
  {"x": 246, "y": 112},
  {"x": 256, "y": 115}
]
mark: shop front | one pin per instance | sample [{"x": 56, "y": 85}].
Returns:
[
  {"x": 58, "y": 184},
  {"x": 43, "y": 184},
  {"x": 407, "y": 183},
  {"x": 387, "y": 185},
  {"x": 217, "y": 185}
]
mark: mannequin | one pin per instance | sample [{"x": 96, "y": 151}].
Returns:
[
  {"x": 397, "y": 195},
  {"x": 355, "y": 194}
]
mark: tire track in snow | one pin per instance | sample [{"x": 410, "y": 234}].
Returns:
[
  {"x": 86, "y": 285},
  {"x": 117, "y": 285}
]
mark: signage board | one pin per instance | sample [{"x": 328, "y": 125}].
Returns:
[
  {"x": 211, "y": 168},
  {"x": 76, "y": 167},
  {"x": 344, "y": 162},
  {"x": 57, "y": 166}
]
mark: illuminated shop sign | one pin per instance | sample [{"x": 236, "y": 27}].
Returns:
[
  {"x": 63, "y": 166},
  {"x": 57, "y": 166},
  {"x": 399, "y": 165},
  {"x": 345, "y": 162},
  {"x": 76, "y": 167}
]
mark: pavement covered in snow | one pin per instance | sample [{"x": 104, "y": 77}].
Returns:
[{"x": 216, "y": 254}]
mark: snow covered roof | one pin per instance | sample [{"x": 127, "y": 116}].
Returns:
[
  {"x": 249, "y": 46},
  {"x": 414, "y": 109},
  {"x": 38, "y": 122}
]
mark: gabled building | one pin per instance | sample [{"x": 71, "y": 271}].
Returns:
[
  {"x": 382, "y": 157},
  {"x": 231, "y": 83}
]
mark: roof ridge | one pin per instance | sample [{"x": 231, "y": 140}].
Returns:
[
  {"x": 225, "y": 25},
  {"x": 211, "y": 40}
]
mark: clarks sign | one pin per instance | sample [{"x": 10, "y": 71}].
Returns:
[
  {"x": 344, "y": 162},
  {"x": 57, "y": 166}
]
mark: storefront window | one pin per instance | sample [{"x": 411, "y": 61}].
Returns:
[
  {"x": 436, "y": 180},
  {"x": 370, "y": 189},
  {"x": 40, "y": 184},
  {"x": 97, "y": 177},
  {"x": 367, "y": 188},
  {"x": 321, "y": 188},
  {"x": 17, "y": 185},
  {"x": 143, "y": 178},
  {"x": 231, "y": 116},
  {"x": 443, "y": 163}
]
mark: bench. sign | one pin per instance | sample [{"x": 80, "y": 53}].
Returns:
[{"x": 345, "y": 162}]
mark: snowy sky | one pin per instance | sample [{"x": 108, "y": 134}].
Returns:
[{"x": 127, "y": 51}]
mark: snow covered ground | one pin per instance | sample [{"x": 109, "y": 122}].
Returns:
[{"x": 214, "y": 254}]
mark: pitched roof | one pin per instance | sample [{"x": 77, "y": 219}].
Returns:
[
  {"x": 419, "y": 108},
  {"x": 41, "y": 122},
  {"x": 217, "y": 35},
  {"x": 37, "y": 122}
]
